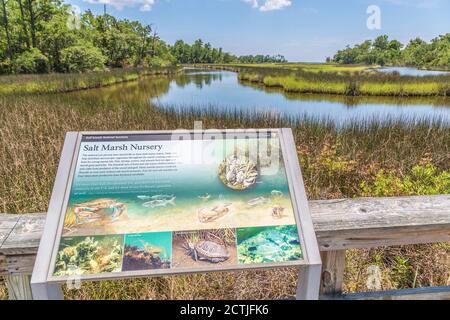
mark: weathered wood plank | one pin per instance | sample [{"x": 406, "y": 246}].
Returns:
[
  {"x": 25, "y": 235},
  {"x": 372, "y": 222},
  {"x": 430, "y": 293},
  {"x": 7, "y": 223},
  {"x": 385, "y": 212}
]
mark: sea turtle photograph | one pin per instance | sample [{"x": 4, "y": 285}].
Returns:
[{"x": 205, "y": 248}]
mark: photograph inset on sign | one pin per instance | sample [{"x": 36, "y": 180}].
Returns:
[
  {"x": 204, "y": 248},
  {"x": 268, "y": 244},
  {"x": 118, "y": 189},
  {"x": 89, "y": 255},
  {"x": 145, "y": 251}
]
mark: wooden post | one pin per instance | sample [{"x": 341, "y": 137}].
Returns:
[
  {"x": 333, "y": 265},
  {"x": 19, "y": 287}
]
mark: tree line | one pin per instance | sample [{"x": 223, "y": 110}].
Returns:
[
  {"x": 200, "y": 52},
  {"x": 382, "y": 51},
  {"x": 39, "y": 36}
]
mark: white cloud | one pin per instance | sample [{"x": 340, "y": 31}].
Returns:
[
  {"x": 269, "y": 5},
  {"x": 254, "y": 3},
  {"x": 144, "y": 5}
]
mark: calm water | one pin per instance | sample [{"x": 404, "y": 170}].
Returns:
[
  {"x": 404, "y": 71},
  {"x": 221, "y": 90}
]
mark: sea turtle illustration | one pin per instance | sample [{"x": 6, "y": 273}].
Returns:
[{"x": 207, "y": 251}]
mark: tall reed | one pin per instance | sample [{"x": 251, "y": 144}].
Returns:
[{"x": 351, "y": 82}]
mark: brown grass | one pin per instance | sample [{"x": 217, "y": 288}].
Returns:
[
  {"x": 334, "y": 163},
  {"x": 265, "y": 284}
]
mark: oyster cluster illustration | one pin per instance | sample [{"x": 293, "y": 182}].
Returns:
[{"x": 238, "y": 172}]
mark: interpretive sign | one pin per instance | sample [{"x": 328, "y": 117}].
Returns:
[{"x": 131, "y": 204}]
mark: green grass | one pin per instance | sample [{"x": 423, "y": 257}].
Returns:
[
  {"x": 334, "y": 79},
  {"x": 292, "y": 84},
  {"x": 53, "y": 83},
  {"x": 307, "y": 67}
]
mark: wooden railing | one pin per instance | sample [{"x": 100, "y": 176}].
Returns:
[{"x": 339, "y": 224}]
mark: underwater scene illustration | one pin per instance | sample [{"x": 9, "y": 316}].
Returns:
[
  {"x": 268, "y": 244},
  {"x": 204, "y": 248},
  {"x": 89, "y": 255},
  {"x": 144, "y": 251},
  {"x": 231, "y": 190}
]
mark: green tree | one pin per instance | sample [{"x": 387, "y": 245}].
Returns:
[
  {"x": 31, "y": 61},
  {"x": 5, "y": 24},
  {"x": 54, "y": 38},
  {"x": 82, "y": 57},
  {"x": 383, "y": 51}
]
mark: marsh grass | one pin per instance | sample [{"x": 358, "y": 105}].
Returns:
[
  {"x": 52, "y": 83},
  {"x": 334, "y": 162},
  {"x": 332, "y": 79}
]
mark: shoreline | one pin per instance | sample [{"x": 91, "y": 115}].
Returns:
[
  {"x": 72, "y": 82},
  {"x": 339, "y": 81}
]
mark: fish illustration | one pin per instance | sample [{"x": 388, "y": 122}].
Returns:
[
  {"x": 205, "y": 197},
  {"x": 162, "y": 197},
  {"x": 156, "y": 197},
  {"x": 258, "y": 201},
  {"x": 160, "y": 203}
]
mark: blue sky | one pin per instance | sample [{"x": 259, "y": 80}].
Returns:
[{"x": 301, "y": 30}]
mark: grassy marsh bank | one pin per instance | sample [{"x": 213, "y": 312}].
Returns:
[
  {"x": 57, "y": 82},
  {"x": 361, "y": 159},
  {"x": 340, "y": 80}
]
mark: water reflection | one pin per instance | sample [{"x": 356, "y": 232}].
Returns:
[
  {"x": 405, "y": 71},
  {"x": 223, "y": 91}
]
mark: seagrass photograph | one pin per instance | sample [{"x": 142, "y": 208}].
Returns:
[{"x": 211, "y": 150}]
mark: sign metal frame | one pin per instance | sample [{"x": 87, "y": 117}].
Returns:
[{"x": 46, "y": 286}]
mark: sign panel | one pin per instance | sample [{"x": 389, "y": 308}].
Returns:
[{"x": 160, "y": 203}]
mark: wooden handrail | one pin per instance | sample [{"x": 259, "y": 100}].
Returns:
[{"x": 339, "y": 225}]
